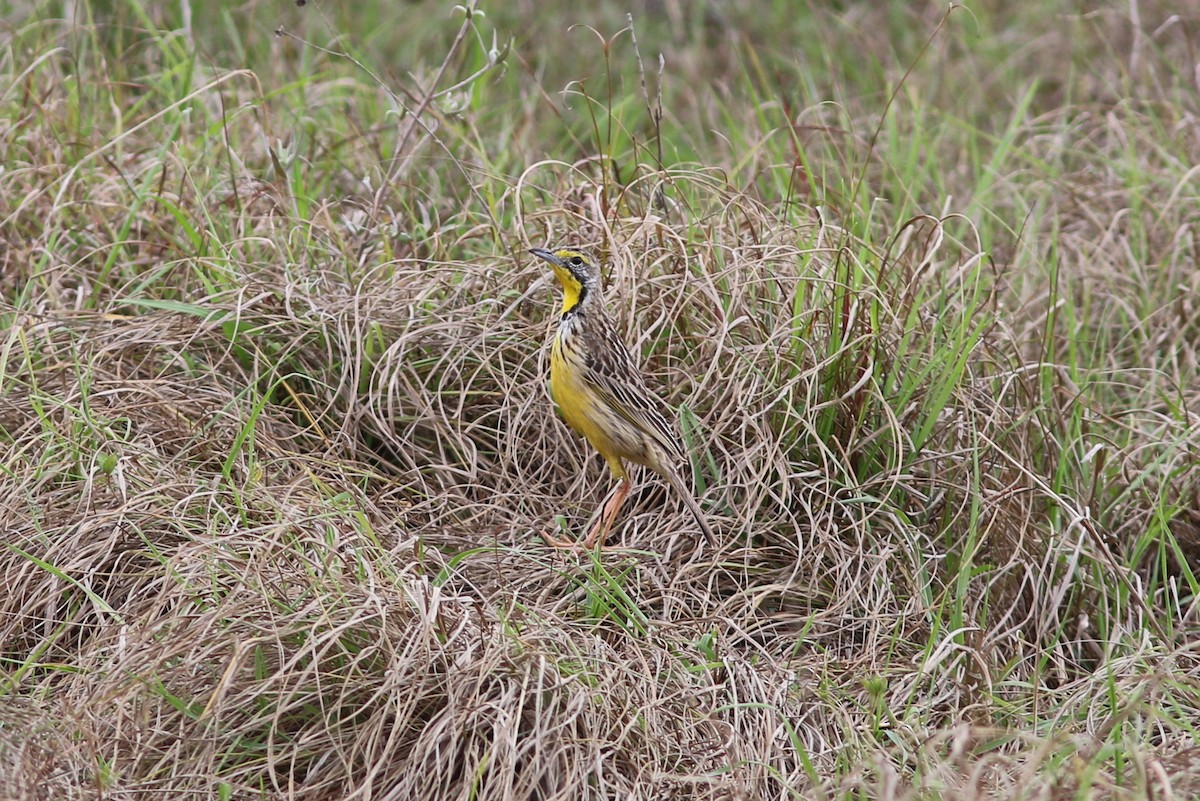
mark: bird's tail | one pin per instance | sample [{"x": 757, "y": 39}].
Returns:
[{"x": 689, "y": 499}]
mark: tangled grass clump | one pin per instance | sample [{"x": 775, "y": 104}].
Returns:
[{"x": 278, "y": 454}]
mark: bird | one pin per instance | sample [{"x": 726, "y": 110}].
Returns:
[{"x": 601, "y": 394}]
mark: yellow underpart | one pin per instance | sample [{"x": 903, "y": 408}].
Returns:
[{"x": 581, "y": 408}]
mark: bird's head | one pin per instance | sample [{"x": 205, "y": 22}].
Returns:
[{"x": 578, "y": 273}]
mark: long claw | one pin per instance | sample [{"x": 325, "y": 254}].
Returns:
[
  {"x": 555, "y": 542},
  {"x": 598, "y": 532}
]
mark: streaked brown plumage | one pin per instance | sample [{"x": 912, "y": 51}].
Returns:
[{"x": 601, "y": 393}]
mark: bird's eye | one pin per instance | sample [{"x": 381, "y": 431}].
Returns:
[{"x": 576, "y": 261}]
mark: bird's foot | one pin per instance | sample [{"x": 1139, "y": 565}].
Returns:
[{"x": 555, "y": 542}]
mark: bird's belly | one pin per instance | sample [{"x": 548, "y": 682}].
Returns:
[
  {"x": 576, "y": 402},
  {"x": 589, "y": 415}
]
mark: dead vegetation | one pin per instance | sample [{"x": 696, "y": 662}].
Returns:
[{"x": 277, "y": 451}]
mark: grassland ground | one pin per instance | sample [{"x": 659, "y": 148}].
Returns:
[{"x": 278, "y": 456}]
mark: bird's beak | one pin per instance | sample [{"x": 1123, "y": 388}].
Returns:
[{"x": 546, "y": 255}]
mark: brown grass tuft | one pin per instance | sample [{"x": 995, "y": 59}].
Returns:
[{"x": 277, "y": 452}]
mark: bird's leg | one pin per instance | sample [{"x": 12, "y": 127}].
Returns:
[
  {"x": 600, "y": 531},
  {"x": 608, "y": 514}
]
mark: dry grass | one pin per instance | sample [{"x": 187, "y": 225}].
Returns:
[{"x": 277, "y": 450}]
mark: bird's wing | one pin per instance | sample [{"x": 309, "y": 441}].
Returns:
[{"x": 610, "y": 369}]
